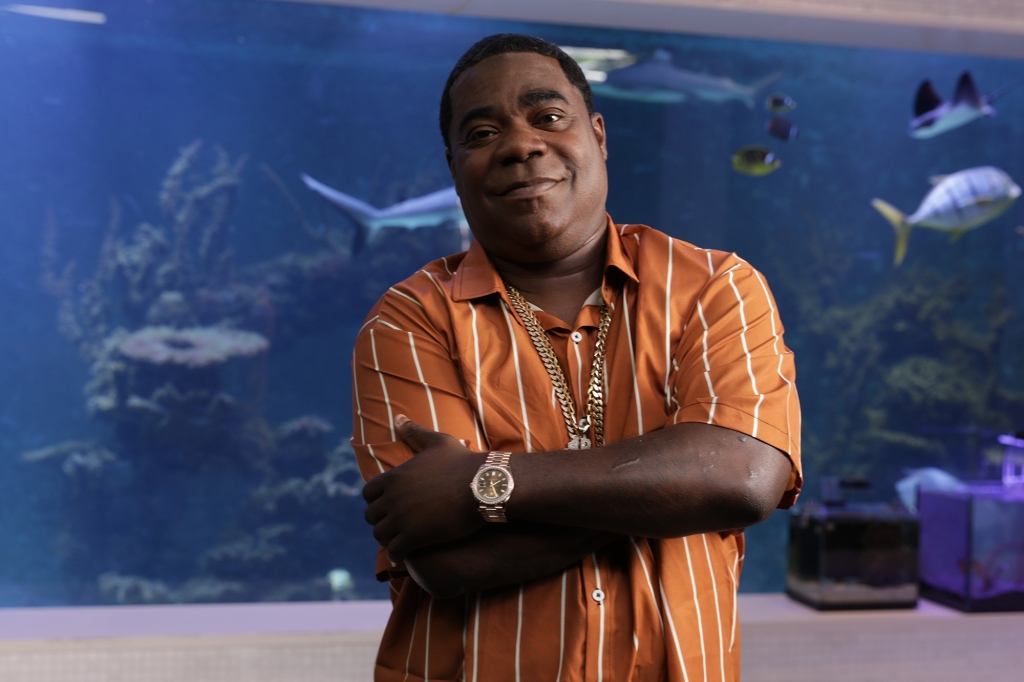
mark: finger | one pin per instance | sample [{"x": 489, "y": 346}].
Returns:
[
  {"x": 374, "y": 488},
  {"x": 417, "y": 437},
  {"x": 398, "y": 549},
  {"x": 384, "y": 533},
  {"x": 375, "y": 513}
]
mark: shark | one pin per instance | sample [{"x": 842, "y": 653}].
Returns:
[
  {"x": 933, "y": 116},
  {"x": 658, "y": 80},
  {"x": 429, "y": 210}
]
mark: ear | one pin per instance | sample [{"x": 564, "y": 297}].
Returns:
[
  {"x": 597, "y": 122},
  {"x": 451, "y": 164}
]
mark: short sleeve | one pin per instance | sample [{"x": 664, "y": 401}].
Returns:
[
  {"x": 401, "y": 366},
  {"x": 732, "y": 367}
]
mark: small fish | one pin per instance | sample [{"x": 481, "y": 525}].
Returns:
[
  {"x": 933, "y": 116},
  {"x": 755, "y": 160},
  {"x": 782, "y": 128},
  {"x": 779, "y": 103},
  {"x": 956, "y": 204}
]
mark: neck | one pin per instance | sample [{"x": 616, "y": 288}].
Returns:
[{"x": 560, "y": 287}]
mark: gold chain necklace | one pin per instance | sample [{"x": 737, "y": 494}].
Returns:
[{"x": 595, "y": 390}]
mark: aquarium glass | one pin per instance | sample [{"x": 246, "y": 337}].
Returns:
[
  {"x": 177, "y": 308},
  {"x": 972, "y": 548}
]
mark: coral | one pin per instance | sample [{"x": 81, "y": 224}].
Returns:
[
  {"x": 260, "y": 548},
  {"x": 178, "y": 344},
  {"x": 152, "y": 277},
  {"x": 315, "y": 589},
  {"x": 133, "y": 589},
  {"x": 300, "y": 446},
  {"x": 89, "y": 462},
  {"x": 58, "y": 450},
  {"x": 191, "y": 348},
  {"x": 340, "y": 478},
  {"x": 170, "y": 309},
  {"x": 303, "y": 429},
  {"x": 79, "y": 456},
  {"x": 205, "y": 589},
  {"x": 54, "y": 284}
]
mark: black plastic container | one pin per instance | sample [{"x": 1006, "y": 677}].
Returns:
[{"x": 853, "y": 556}]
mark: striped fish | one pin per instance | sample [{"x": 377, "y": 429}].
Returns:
[{"x": 957, "y": 203}]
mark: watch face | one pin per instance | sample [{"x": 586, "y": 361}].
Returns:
[{"x": 492, "y": 485}]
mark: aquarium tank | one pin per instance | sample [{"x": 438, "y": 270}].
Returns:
[{"x": 179, "y": 300}]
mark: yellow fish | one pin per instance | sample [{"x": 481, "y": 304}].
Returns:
[{"x": 755, "y": 160}]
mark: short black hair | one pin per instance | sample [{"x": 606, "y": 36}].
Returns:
[{"x": 502, "y": 43}]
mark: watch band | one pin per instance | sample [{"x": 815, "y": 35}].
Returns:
[{"x": 495, "y": 513}]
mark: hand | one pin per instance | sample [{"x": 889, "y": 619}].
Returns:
[{"x": 425, "y": 501}]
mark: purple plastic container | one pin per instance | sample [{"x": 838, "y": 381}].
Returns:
[{"x": 972, "y": 548}]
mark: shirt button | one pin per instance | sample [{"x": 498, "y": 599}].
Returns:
[
  {"x": 576, "y": 337},
  {"x": 598, "y": 595}
]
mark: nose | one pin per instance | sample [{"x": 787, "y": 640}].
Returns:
[{"x": 520, "y": 142}]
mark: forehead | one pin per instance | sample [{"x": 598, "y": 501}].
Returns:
[{"x": 505, "y": 77}]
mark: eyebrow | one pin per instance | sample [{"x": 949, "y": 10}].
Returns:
[
  {"x": 536, "y": 97},
  {"x": 530, "y": 99}
]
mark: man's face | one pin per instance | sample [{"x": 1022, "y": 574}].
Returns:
[{"x": 527, "y": 159}]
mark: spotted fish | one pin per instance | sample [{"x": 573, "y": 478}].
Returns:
[{"x": 957, "y": 203}]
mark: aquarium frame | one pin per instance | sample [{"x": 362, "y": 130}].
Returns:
[{"x": 819, "y": 22}]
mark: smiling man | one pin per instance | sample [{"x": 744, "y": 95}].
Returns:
[{"x": 565, "y": 429}]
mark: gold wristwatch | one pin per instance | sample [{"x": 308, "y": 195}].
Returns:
[{"x": 492, "y": 486}]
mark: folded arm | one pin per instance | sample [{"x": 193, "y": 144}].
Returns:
[
  {"x": 501, "y": 554},
  {"x": 681, "y": 480}
]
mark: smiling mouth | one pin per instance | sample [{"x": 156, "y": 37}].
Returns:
[{"x": 529, "y": 188}]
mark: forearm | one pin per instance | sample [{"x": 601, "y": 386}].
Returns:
[
  {"x": 681, "y": 480},
  {"x": 500, "y": 555}
]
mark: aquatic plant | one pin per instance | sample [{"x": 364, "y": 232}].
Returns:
[{"x": 903, "y": 364}]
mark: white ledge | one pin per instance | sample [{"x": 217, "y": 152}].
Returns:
[{"x": 176, "y": 620}]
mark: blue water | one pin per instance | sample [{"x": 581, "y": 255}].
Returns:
[{"x": 897, "y": 368}]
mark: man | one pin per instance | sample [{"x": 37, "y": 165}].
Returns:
[{"x": 514, "y": 550}]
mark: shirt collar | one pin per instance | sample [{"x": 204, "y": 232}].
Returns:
[{"x": 476, "y": 276}]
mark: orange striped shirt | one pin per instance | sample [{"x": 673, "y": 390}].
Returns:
[{"x": 695, "y": 336}]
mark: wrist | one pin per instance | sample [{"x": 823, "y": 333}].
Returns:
[{"x": 492, "y": 486}]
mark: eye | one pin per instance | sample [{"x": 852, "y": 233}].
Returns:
[
  {"x": 551, "y": 117},
  {"x": 478, "y": 134}
]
